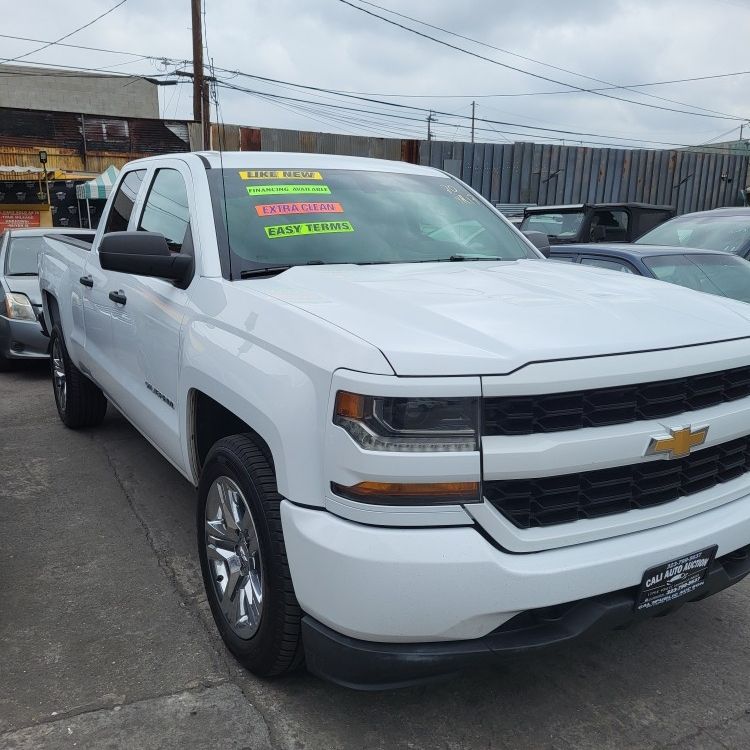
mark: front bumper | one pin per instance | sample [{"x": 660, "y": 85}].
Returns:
[
  {"x": 22, "y": 339},
  {"x": 366, "y": 665},
  {"x": 417, "y": 585}
]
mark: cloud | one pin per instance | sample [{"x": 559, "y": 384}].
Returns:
[{"x": 327, "y": 44}]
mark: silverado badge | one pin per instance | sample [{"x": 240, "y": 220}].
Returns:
[{"x": 678, "y": 443}]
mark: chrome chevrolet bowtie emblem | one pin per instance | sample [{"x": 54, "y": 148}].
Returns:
[{"x": 678, "y": 443}]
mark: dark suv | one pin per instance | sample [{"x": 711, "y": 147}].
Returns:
[{"x": 594, "y": 222}]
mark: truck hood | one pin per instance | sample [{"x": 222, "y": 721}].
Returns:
[
  {"x": 484, "y": 318},
  {"x": 28, "y": 285}
]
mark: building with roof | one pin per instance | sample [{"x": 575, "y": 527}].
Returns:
[
  {"x": 84, "y": 123},
  {"x": 25, "y": 87}
]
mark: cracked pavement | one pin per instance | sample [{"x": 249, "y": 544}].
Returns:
[{"x": 106, "y": 640}]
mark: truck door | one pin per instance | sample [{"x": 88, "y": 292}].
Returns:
[
  {"x": 98, "y": 309},
  {"x": 146, "y": 331}
]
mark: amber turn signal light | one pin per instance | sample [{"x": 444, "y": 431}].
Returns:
[
  {"x": 404, "y": 493},
  {"x": 349, "y": 405}
]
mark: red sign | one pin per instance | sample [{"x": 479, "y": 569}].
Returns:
[
  {"x": 19, "y": 220},
  {"x": 280, "y": 209}
]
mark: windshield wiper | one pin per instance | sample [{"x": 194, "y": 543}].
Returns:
[
  {"x": 255, "y": 273},
  {"x": 259, "y": 272},
  {"x": 459, "y": 258}
]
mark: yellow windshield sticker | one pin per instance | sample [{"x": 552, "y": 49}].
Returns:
[
  {"x": 280, "y": 174},
  {"x": 287, "y": 189},
  {"x": 317, "y": 227}
]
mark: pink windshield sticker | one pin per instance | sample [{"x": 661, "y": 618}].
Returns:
[{"x": 281, "y": 209}]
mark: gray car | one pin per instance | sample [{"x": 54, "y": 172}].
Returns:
[{"x": 21, "y": 334}]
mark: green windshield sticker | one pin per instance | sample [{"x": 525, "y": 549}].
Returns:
[
  {"x": 287, "y": 189},
  {"x": 317, "y": 227}
]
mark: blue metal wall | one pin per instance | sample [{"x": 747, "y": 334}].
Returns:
[{"x": 549, "y": 174}]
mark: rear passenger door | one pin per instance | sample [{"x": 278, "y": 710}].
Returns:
[
  {"x": 147, "y": 333},
  {"x": 98, "y": 354}
]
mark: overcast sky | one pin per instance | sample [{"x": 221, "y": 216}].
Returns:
[{"x": 328, "y": 44}]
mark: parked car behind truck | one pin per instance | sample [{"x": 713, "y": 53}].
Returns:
[
  {"x": 594, "y": 222},
  {"x": 724, "y": 229},
  {"x": 21, "y": 335},
  {"x": 418, "y": 445},
  {"x": 707, "y": 271}
]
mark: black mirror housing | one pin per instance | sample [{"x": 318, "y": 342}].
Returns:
[
  {"x": 143, "y": 254},
  {"x": 539, "y": 240}
]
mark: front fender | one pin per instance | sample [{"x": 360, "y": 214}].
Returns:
[{"x": 280, "y": 400}]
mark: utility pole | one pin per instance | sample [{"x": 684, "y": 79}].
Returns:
[
  {"x": 201, "y": 102},
  {"x": 430, "y": 119},
  {"x": 473, "y": 112}
]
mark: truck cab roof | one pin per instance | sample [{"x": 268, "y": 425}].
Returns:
[{"x": 291, "y": 160}]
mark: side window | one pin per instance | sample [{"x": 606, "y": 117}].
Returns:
[
  {"x": 612, "y": 265},
  {"x": 166, "y": 209},
  {"x": 614, "y": 224},
  {"x": 122, "y": 205}
]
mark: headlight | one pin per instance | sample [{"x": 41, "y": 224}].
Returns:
[
  {"x": 409, "y": 424},
  {"x": 18, "y": 307}
]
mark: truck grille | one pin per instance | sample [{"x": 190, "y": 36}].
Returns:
[
  {"x": 548, "y": 501},
  {"x": 526, "y": 415}
]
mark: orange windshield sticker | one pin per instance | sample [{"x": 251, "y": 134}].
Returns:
[
  {"x": 280, "y": 209},
  {"x": 317, "y": 227},
  {"x": 280, "y": 174}
]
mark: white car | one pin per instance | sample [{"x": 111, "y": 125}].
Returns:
[{"x": 418, "y": 445}]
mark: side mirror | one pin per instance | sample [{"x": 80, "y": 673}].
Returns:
[
  {"x": 143, "y": 254},
  {"x": 539, "y": 240}
]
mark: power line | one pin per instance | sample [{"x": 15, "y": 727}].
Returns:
[
  {"x": 571, "y": 90},
  {"x": 425, "y": 110},
  {"x": 552, "y": 93},
  {"x": 530, "y": 73},
  {"x": 65, "y": 71},
  {"x": 65, "y": 36},
  {"x": 176, "y": 60},
  {"x": 609, "y": 85},
  {"x": 88, "y": 48},
  {"x": 414, "y": 118}
]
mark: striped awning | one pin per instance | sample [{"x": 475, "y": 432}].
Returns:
[{"x": 100, "y": 187}]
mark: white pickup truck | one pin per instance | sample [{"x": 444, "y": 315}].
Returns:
[{"x": 418, "y": 445}]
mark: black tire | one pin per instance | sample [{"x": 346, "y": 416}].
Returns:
[
  {"x": 6, "y": 364},
  {"x": 83, "y": 404},
  {"x": 276, "y": 646}
]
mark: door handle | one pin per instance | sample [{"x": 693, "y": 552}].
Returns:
[
  {"x": 87, "y": 281},
  {"x": 118, "y": 297}
]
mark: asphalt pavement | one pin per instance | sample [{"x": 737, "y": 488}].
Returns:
[{"x": 106, "y": 640}]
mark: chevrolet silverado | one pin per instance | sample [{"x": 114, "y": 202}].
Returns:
[{"x": 417, "y": 444}]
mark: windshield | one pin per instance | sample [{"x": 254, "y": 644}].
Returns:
[
  {"x": 556, "y": 225},
  {"x": 727, "y": 233},
  {"x": 21, "y": 258},
  {"x": 297, "y": 217},
  {"x": 724, "y": 275}
]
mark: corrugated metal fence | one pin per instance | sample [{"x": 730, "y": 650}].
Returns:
[
  {"x": 538, "y": 173},
  {"x": 550, "y": 174},
  {"x": 241, "y": 138}
]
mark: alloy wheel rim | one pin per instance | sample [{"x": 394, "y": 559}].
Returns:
[
  {"x": 58, "y": 375},
  {"x": 234, "y": 558}
]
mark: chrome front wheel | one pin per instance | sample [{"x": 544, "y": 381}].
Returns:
[{"x": 234, "y": 557}]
